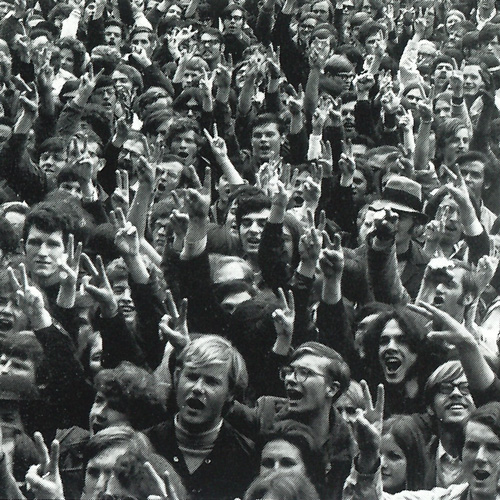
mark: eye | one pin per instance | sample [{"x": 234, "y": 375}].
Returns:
[
  {"x": 267, "y": 463},
  {"x": 288, "y": 463}
]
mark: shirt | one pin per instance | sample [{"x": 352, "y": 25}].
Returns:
[{"x": 448, "y": 468}]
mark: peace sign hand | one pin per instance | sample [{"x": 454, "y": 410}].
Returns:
[
  {"x": 283, "y": 319},
  {"x": 310, "y": 242},
  {"x": 69, "y": 267},
  {"x": 217, "y": 144},
  {"x": 173, "y": 325},
  {"x": 198, "y": 199},
  {"x": 331, "y": 260},
  {"x": 120, "y": 198},
  {"x": 126, "y": 237}
]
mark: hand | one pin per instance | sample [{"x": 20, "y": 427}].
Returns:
[
  {"x": 173, "y": 325},
  {"x": 457, "y": 81},
  {"x": 141, "y": 57},
  {"x": 88, "y": 81},
  {"x": 326, "y": 159},
  {"x": 100, "y": 290},
  {"x": 273, "y": 64},
  {"x": 206, "y": 83},
  {"x": 163, "y": 486},
  {"x": 30, "y": 299},
  {"x": 146, "y": 172},
  {"x": 287, "y": 177},
  {"x": 368, "y": 429},
  {"x": 347, "y": 164},
  {"x": 121, "y": 132},
  {"x": 311, "y": 187},
  {"x": 44, "y": 479},
  {"x": 126, "y": 237},
  {"x": 283, "y": 319},
  {"x": 267, "y": 177},
  {"x": 80, "y": 160},
  {"x": 406, "y": 121},
  {"x": 317, "y": 59},
  {"x": 363, "y": 83},
  {"x": 485, "y": 270},
  {"x": 45, "y": 76},
  {"x": 385, "y": 228},
  {"x": 460, "y": 193},
  {"x": 310, "y": 242},
  {"x": 198, "y": 199},
  {"x": 320, "y": 116},
  {"x": 296, "y": 102},
  {"x": 419, "y": 27},
  {"x": 29, "y": 101},
  {"x": 390, "y": 102},
  {"x": 217, "y": 144},
  {"x": 331, "y": 260},
  {"x": 425, "y": 107},
  {"x": 69, "y": 266},
  {"x": 179, "y": 222},
  {"x": 224, "y": 72},
  {"x": 120, "y": 198}
]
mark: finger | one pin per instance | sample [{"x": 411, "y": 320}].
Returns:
[
  {"x": 454, "y": 63},
  {"x": 89, "y": 265},
  {"x": 54, "y": 458},
  {"x": 207, "y": 135},
  {"x": 183, "y": 311},
  {"x": 310, "y": 218},
  {"x": 294, "y": 178},
  {"x": 194, "y": 177},
  {"x": 366, "y": 394},
  {"x": 379, "y": 405},
  {"x": 114, "y": 219},
  {"x": 122, "y": 220},
  {"x": 71, "y": 247},
  {"x": 207, "y": 181},
  {"x": 327, "y": 242},
  {"x": 322, "y": 221},
  {"x": 170, "y": 303},
  {"x": 156, "y": 478},
  {"x": 282, "y": 298},
  {"x": 102, "y": 272},
  {"x": 24, "y": 277},
  {"x": 77, "y": 255},
  {"x": 291, "y": 301},
  {"x": 125, "y": 181},
  {"x": 43, "y": 452},
  {"x": 216, "y": 132},
  {"x": 337, "y": 241}
]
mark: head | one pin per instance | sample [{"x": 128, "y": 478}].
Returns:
[
  {"x": 143, "y": 39},
  {"x": 441, "y": 70},
  {"x": 447, "y": 396},
  {"x": 291, "y": 447},
  {"x": 404, "y": 461},
  {"x": 130, "y": 153},
  {"x": 209, "y": 374},
  {"x": 118, "y": 278},
  {"x": 195, "y": 69},
  {"x": 128, "y": 83},
  {"x": 234, "y": 18},
  {"x": 450, "y": 286},
  {"x": 307, "y": 23},
  {"x": 251, "y": 216},
  {"x": 72, "y": 55},
  {"x": 211, "y": 45},
  {"x": 125, "y": 396},
  {"x": 114, "y": 33},
  {"x": 473, "y": 78},
  {"x": 314, "y": 380},
  {"x": 184, "y": 140},
  {"x": 347, "y": 112},
  {"x": 372, "y": 34},
  {"x": 45, "y": 237},
  {"x": 159, "y": 223},
  {"x": 104, "y": 94},
  {"x": 282, "y": 485},
  {"x": 268, "y": 135},
  {"x": 442, "y": 107},
  {"x": 168, "y": 176},
  {"x": 323, "y": 9},
  {"x": 68, "y": 181},
  {"x": 477, "y": 171},
  {"x": 350, "y": 401},
  {"x": 452, "y": 139},
  {"x": 53, "y": 156}
]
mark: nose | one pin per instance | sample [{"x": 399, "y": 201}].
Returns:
[
  {"x": 5, "y": 367},
  {"x": 102, "y": 483},
  {"x": 199, "y": 385},
  {"x": 456, "y": 392},
  {"x": 44, "y": 249},
  {"x": 392, "y": 344},
  {"x": 481, "y": 455}
]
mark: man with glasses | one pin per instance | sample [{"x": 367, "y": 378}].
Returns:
[
  {"x": 211, "y": 47},
  {"x": 314, "y": 379},
  {"x": 449, "y": 403},
  {"x": 236, "y": 39}
]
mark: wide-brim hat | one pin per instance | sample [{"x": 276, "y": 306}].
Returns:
[{"x": 402, "y": 194}]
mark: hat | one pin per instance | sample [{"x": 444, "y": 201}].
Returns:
[{"x": 402, "y": 194}]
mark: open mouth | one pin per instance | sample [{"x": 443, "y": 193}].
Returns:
[
  {"x": 438, "y": 301},
  {"x": 456, "y": 406},
  {"x": 195, "y": 404},
  {"x": 253, "y": 241},
  {"x": 126, "y": 308},
  {"x": 183, "y": 154},
  {"x": 392, "y": 364},
  {"x": 6, "y": 324},
  {"x": 294, "y": 395},
  {"x": 481, "y": 474}
]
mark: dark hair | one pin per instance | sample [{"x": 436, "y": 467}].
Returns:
[
  {"x": 47, "y": 218},
  {"x": 368, "y": 29},
  {"x": 53, "y": 144},
  {"x": 132, "y": 74},
  {"x": 300, "y": 436},
  {"x": 214, "y": 32},
  {"x": 231, "y": 8},
  {"x": 181, "y": 126},
  {"x": 133, "y": 391},
  {"x": 282, "y": 485},
  {"x": 251, "y": 204},
  {"x": 408, "y": 436},
  {"x": 23, "y": 345},
  {"x": 442, "y": 58},
  {"x": 491, "y": 170},
  {"x": 266, "y": 119},
  {"x": 337, "y": 369},
  {"x": 78, "y": 50},
  {"x": 446, "y": 130},
  {"x": 489, "y": 415}
]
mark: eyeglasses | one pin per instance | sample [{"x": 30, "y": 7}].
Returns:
[
  {"x": 301, "y": 373},
  {"x": 209, "y": 42},
  {"x": 448, "y": 387},
  {"x": 234, "y": 18}
]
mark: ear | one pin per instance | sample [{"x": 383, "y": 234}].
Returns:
[
  {"x": 430, "y": 410},
  {"x": 101, "y": 164},
  {"x": 487, "y": 186},
  {"x": 333, "y": 389}
]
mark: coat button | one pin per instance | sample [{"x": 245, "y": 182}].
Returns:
[
  {"x": 208, "y": 461},
  {"x": 176, "y": 459}
]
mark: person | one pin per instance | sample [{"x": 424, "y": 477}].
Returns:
[{"x": 282, "y": 485}]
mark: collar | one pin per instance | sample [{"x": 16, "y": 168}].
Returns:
[{"x": 443, "y": 454}]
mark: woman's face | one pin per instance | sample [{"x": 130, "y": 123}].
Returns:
[
  {"x": 456, "y": 145},
  {"x": 281, "y": 455},
  {"x": 67, "y": 60},
  {"x": 451, "y": 21},
  {"x": 359, "y": 187},
  {"x": 393, "y": 465}
]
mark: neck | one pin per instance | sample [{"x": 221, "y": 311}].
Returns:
[
  {"x": 45, "y": 281},
  {"x": 451, "y": 437},
  {"x": 485, "y": 12},
  {"x": 319, "y": 423},
  {"x": 402, "y": 246},
  {"x": 253, "y": 260}
]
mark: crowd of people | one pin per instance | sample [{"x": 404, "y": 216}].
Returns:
[{"x": 249, "y": 250}]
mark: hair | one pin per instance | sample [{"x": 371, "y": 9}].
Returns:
[
  {"x": 23, "y": 345},
  {"x": 488, "y": 415},
  {"x": 282, "y": 485},
  {"x": 59, "y": 10},
  {"x": 355, "y": 393},
  {"x": 161, "y": 209},
  {"x": 337, "y": 370},
  {"x": 181, "y": 126},
  {"x": 133, "y": 391},
  {"x": 217, "y": 261},
  {"x": 9, "y": 241},
  {"x": 447, "y": 372},
  {"x": 446, "y": 131},
  {"x": 491, "y": 170},
  {"x": 214, "y": 32},
  {"x": 300, "y": 436},
  {"x": 266, "y": 119},
  {"x": 213, "y": 349},
  {"x": 46, "y": 217},
  {"x": 116, "y": 270},
  {"x": 407, "y": 435},
  {"x": 111, "y": 21},
  {"x": 442, "y": 58},
  {"x": 251, "y": 204},
  {"x": 53, "y": 144},
  {"x": 143, "y": 29},
  {"x": 133, "y": 75},
  {"x": 231, "y": 8},
  {"x": 368, "y": 29},
  {"x": 79, "y": 53}
]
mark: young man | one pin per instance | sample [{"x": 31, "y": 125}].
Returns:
[{"x": 209, "y": 374}]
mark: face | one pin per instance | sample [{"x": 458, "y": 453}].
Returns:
[
  {"x": 365, "y": 225},
  {"x": 233, "y": 24},
  {"x": 446, "y": 292},
  {"x": 442, "y": 73},
  {"x": 321, "y": 10},
  {"x": 481, "y": 460},
  {"x": 414, "y": 96},
  {"x": 348, "y": 120},
  {"x": 18, "y": 367},
  {"x": 12, "y": 317},
  {"x": 359, "y": 186},
  {"x": 473, "y": 81},
  {"x": 283, "y": 456},
  {"x": 426, "y": 53},
  {"x": 52, "y": 162},
  {"x": 372, "y": 41},
  {"x": 113, "y": 36},
  {"x": 67, "y": 60},
  {"x": 347, "y": 408},
  {"x": 103, "y": 416},
  {"x": 123, "y": 84},
  {"x": 105, "y": 97},
  {"x": 142, "y": 41},
  {"x": 159, "y": 233},
  {"x": 305, "y": 28},
  {"x": 473, "y": 174},
  {"x": 72, "y": 187},
  {"x": 185, "y": 146},
  {"x": 10, "y": 417},
  {"x": 442, "y": 110},
  {"x": 486, "y": 4},
  {"x": 314, "y": 394},
  {"x": 451, "y": 405},
  {"x": 5, "y": 8},
  {"x": 201, "y": 395},
  {"x": 210, "y": 47},
  {"x": 99, "y": 470},
  {"x": 251, "y": 227},
  {"x": 266, "y": 142},
  {"x": 451, "y": 21},
  {"x": 96, "y": 355},
  {"x": 449, "y": 212},
  {"x": 393, "y": 465},
  {"x": 169, "y": 178},
  {"x": 43, "y": 252},
  {"x": 457, "y": 145},
  {"x": 174, "y": 12},
  {"x": 129, "y": 155},
  {"x": 395, "y": 356},
  {"x": 123, "y": 295},
  {"x": 230, "y": 302}
]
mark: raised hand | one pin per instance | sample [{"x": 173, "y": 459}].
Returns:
[
  {"x": 331, "y": 260},
  {"x": 120, "y": 198},
  {"x": 283, "y": 319},
  {"x": 206, "y": 83},
  {"x": 406, "y": 120},
  {"x": 368, "y": 429},
  {"x": 80, "y": 160},
  {"x": 173, "y": 324},
  {"x": 126, "y": 237},
  {"x": 385, "y": 227},
  {"x": 224, "y": 72},
  {"x": 100, "y": 289},
  {"x": 457, "y": 81},
  {"x": 310, "y": 242},
  {"x": 198, "y": 199},
  {"x": 311, "y": 187},
  {"x": 146, "y": 172},
  {"x": 88, "y": 81},
  {"x": 485, "y": 270},
  {"x": 217, "y": 144},
  {"x": 347, "y": 164},
  {"x": 363, "y": 83},
  {"x": 69, "y": 267},
  {"x": 273, "y": 64},
  {"x": 425, "y": 107},
  {"x": 390, "y": 102},
  {"x": 29, "y": 100},
  {"x": 326, "y": 159},
  {"x": 296, "y": 102},
  {"x": 44, "y": 479}
]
